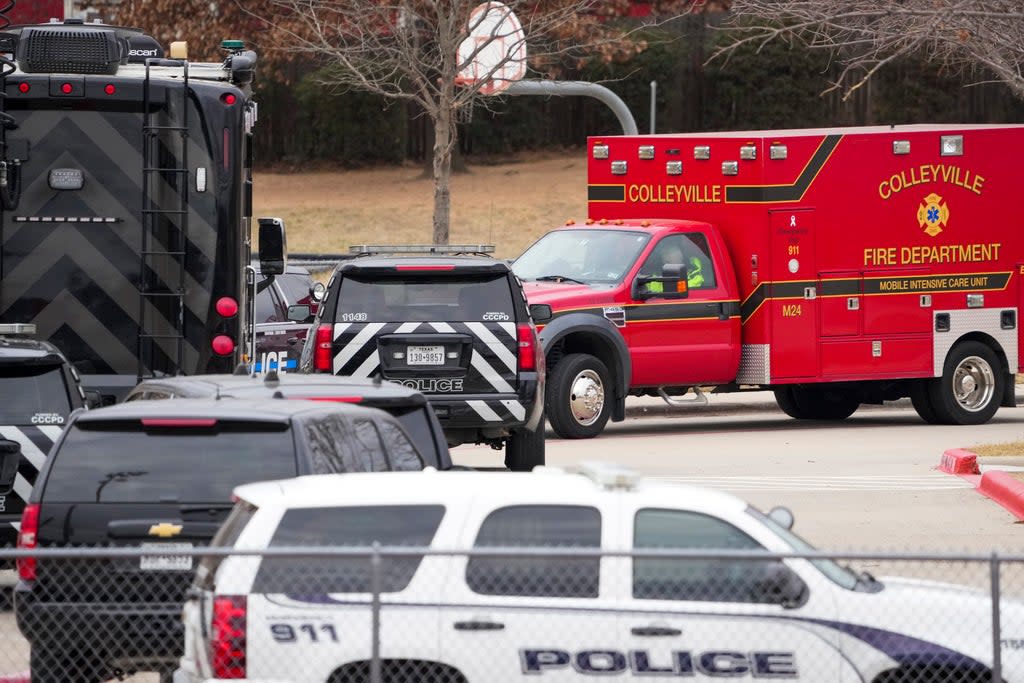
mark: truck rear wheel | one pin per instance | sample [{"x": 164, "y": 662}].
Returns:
[
  {"x": 524, "y": 449},
  {"x": 815, "y": 403},
  {"x": 971, "y": 386},
  {"x": 577, "y": 402}
]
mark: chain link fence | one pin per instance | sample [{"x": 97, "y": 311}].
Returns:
[{"x": 414, "y": 614}]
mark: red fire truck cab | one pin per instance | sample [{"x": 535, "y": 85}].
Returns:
[{"x": 836, "y": 267}]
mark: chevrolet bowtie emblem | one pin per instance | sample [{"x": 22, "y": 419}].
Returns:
[{"x": 165, "y": 530}]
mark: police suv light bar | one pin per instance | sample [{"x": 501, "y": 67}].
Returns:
[
  {"x": 609, "y": 476},
  {"x": 421, "y": 249},
  {"x": 27, "y": 329}
]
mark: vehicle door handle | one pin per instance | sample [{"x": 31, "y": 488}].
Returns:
[
  {"x": 478, "y": 626},
  {"x": 293, "y": 341},
  {"x": 719, "y": 310},
  {"x": 655, "y": 631}
]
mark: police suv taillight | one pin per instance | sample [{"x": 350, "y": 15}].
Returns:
[
  {"x": 322, "y": 350},
  {"x": 227, "y": 643},
  {"x": 28, "y": 539},
  {"x": 527, "y": 346}
]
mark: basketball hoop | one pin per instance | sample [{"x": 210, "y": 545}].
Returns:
[{"x": 494, "y": 54}]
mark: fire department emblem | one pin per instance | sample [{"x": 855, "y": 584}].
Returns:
[{"x": 932, "y": 214}]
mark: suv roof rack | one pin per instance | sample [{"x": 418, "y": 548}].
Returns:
[
  {"x": 26, "y": 329},
  {"x": 371, "y": 249}
]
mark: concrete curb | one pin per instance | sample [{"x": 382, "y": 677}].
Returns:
[
  {"x": 996, "y": 485},
  {"x": 1005, "y": 490},
  {"x": 959, "y": 461},
  {"x": 16, "y": 678}
]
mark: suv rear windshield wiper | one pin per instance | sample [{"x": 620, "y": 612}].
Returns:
[{"x": 559, "y": 278}]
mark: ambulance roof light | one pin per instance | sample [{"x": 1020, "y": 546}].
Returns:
[
  {"x": 730, "y": 167},
  {"x": 368, "y": 249},
  {"x": 646, "y": 152},
  {"x": 619, "y": 168},
  {"x": 674, "y": 167},
  {"x": 178, "y": 49},
  {"x": 702, "y": 152},
  {"x": 778, "y": 152},
  {"x": 600, "y": 151},
  {"x": 901, "y": 146},
  {"x": 952, "y": 146},
  {"x": 748, "y": 152}
]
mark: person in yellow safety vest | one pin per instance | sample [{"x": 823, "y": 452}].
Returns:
[{"x": 672, "y": 254}]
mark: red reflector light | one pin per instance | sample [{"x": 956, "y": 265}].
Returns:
[
  {"x": 66, "y": 88},
  {"x": 178, "y": 422},
  {"x": 28, "y": 540},
  {"x": 109, "y": 89},
  {"x": 24, "y": 87},
  {"x": 438, "y": 267},
  {"x": 227, "y": 640},
  {"x": 334, "y": 399},
  {"x": 223, "y": 345},
  {"x": 228, "y": 98},
  {"x": 322, "y": 360},
  {"x": 226, "y": 307},
  {"x": 527, "y": 347}
]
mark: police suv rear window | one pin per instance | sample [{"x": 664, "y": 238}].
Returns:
[
  {"x": 123, "y": 462},
  {"x": 410, "y": 526},
  {"x": 426, "y": 298},
  {"x": 33, "y": 395},
  {"x": 538, "y": 526}
]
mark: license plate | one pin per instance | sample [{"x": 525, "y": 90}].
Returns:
[
  {"x": 166, "y": 563},
  {"x": 425, "y": 355}
]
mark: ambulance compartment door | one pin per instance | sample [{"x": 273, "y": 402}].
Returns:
[{"x": 794, "y": 295}]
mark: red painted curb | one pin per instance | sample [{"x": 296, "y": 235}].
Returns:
[
  {"x": 959, "y": 461},
  {"x": 15, "y": 678},
  {"x": 1005, "y": 490}
]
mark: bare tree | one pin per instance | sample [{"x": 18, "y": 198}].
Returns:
[
  {"x": 973, "y": 36},
  {"x": 409, "y": 50}
]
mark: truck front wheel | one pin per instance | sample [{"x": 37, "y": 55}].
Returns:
[
  {"x": 578, "y": 403},
  {"x": 972, "y": 383},
  {"x": 815, "y": 403}
]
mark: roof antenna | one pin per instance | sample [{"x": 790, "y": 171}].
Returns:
[
  {"x": 271, "y": 376},
  {"x": 377, "y": 380},
  {"x": 241, "y": 369}
]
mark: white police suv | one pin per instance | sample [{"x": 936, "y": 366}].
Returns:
[{"x": 559, "y": 576}]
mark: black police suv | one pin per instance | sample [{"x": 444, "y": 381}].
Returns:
[
  {"x": 38, "y": 390},
  {"x": 160, "y": 475},
  {"x": 454, "y": 327},
  {"x": 407, "y": 405}
]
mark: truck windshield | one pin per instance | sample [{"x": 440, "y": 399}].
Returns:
[
  {"x": 587, "y": 256},
  {"x": 40, "y": 394}
]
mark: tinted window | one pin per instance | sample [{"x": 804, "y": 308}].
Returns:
[
  {"x": 538, "y": 526},
  {"x": 225, "y": 537},
  {"x": 401, "y": 452},
  {"x": 295, "y": 287},
  {"x": 425, "y": 299},
  {"x": 690, "y": 250},
  {"x": 418, "y": 426},
  {"x": 37, "y": 390},
  {"x": 327, "y": 436},
  {"x": 719, "y": 580},
  {"x": 369, "y": 450},
  {"x": 268, "y": 307},
  {"x": 347, "y": 527},
  {"x": 119, "y": 462}
]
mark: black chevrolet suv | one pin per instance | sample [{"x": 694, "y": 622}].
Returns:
[
  {"x": 455, "y": 327},
  {"x": 38, "y": 390},
  {"x": 159, "y": 474}
]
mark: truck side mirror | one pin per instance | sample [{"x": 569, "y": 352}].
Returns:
[
  {"x": 300, "y": 313},
  {"x": 541, "y": 313},
  {"x": 777, "y": 584},
  {"x": 273, "y": 247},
  {"x": 10, "y": 456},
  {"x": 93, "y": 399},
  {"x": 318, "y": 291},
  {"x": 670, "y": 285}
]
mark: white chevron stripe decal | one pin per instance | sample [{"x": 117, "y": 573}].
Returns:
[
  {"x": 50, "y": 431},
  {"x": 28, "y": 449},
  {"x": 406, "y": 328},
  {"x": 339, "y": 328},
  {"x": 496, "y": 347},
  {"x": 515, "y": 407},
  {"x": 443, "y": 327},
  {"x": 368, "y": 366},
  {"x": 510, "y": 330},
  {"x": 484, "y": 411},
  {"x": 21, "y": 487},
  {"x": 353, "y": 347},
  {"x": 489, "y": 373}
]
